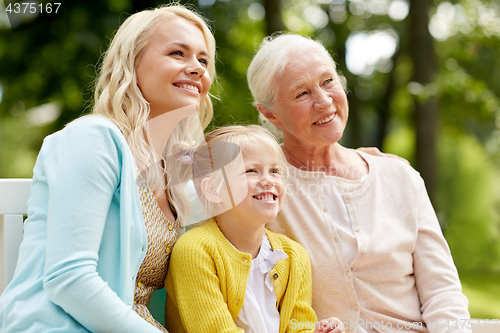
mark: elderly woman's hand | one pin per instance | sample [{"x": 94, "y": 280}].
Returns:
[
  {"x": 376, "y": 152},
  {"x": 330, "y": 325}
]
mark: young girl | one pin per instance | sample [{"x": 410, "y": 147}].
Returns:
[{"x": 231, "y": 274}]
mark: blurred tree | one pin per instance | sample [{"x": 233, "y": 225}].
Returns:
[
  {"x": 423, "y": 57},
  {"x": 274, "y": 21},
  {"x": 48, "y": 64}
]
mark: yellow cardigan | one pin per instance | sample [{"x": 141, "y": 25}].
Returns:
[{"x": 207, "y": 279}]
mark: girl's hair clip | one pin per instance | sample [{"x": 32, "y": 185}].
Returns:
[{"x": 187, "y": 158}]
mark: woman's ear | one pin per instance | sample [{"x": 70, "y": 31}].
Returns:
[
  {"x": 269, "y": 115},
  {"x": 210, "y": 191}
]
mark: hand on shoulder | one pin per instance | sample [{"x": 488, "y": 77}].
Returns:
[{"x": 376, "y": 152}]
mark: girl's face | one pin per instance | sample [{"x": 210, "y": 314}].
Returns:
[
  {"x": 172, "y": 71},
  {"x": 265, "y": 188}
]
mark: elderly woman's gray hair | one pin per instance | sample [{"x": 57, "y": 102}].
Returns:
[
  {"x": 270, "y": 60},
  {"x": 269, "y": 63}
]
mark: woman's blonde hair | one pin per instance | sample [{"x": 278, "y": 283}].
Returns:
[
  {"x": 223, "y": 145},
  {"x": 118, "y": 97},
  {"x": 268, "y": 65}
]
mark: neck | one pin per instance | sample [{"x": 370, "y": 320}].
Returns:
[
  {"x": 333, "y": 160},
  {"x": 160, "y": 126},
  {"x": 244, "y": 239},
  {"x": 158, "y": 129}
]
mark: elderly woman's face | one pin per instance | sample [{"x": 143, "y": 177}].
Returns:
[{"x": 311, "y": 105}]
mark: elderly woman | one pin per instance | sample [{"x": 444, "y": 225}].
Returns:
[{"x": 380, "y": 261}]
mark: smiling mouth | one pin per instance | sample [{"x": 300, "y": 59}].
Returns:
[
  {"x": 326, "y": 120},
  {"x": 266, "y": 197},
  {"x": 188, "y": 87}
]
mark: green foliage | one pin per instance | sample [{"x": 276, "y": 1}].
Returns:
[
  {"x": 400, "y": 141},
  {"x": 483, "y": 291},
  {"x": 237, "y": 37},
  {"x": 402, "y": 100},
  {"x": 51, "y": 62},
  {"x": 19, "y": 146},
  {"x": 467, "y": 196},
  {"x": 54, "y": 61}
]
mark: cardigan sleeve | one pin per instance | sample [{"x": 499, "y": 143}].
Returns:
[
  {"x": 82, "y": 166},
  {"x": 444, "y": 307},
  {"x": 193, "y": 285}
]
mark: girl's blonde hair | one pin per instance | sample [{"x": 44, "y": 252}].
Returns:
[
  {"x": 118, "y": 97},
  {"x": 222, "y": 147},
  {"x": 270, "y": 61}
]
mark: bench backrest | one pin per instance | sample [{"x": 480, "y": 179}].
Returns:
[{"x": 14, "y": 194}]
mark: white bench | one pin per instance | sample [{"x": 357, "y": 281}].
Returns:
[{"x": 14, "y": 194}]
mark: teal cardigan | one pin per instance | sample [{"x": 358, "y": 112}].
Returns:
[{"x": 84, "y": 238}]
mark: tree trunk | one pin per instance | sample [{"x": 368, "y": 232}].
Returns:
[
  {"x": 274, "y": 22},
  {"x": 384, "y": 110},
  {"x": 426, "y": 112}
]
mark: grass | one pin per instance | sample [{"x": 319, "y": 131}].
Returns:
[{"x": 483, "y": 292}]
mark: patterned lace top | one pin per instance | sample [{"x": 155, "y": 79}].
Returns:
[{"x": 162, "y": 235}]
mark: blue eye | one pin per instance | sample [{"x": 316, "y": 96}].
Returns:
[
  {"x": 251, "y": 170},
  {"x": 328, "y": 81},
  {"x": 301, "y": 94},
  {"x": 277, "y": 171}
]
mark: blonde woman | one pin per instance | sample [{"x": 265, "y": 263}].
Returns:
[{"x": 103, "y": 212}]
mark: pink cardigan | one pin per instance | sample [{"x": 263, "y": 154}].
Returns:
[{"x": 403, "y": 274}]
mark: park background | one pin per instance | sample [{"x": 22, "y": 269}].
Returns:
[{"x": 423, "y": 79}]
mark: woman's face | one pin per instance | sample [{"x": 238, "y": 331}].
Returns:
[
  {"x": 172, "y": 71},
  {"x": 310, "y": 106}
]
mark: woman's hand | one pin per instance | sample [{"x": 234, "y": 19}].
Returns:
[
  {"x": 330, "y": 325},
  {"x": 376, "y": 152}
]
